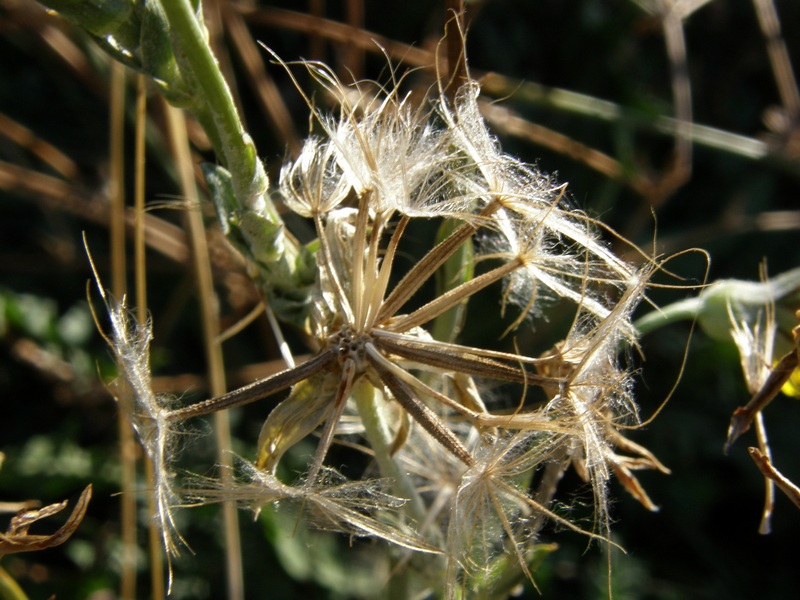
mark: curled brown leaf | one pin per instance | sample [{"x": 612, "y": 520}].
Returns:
[{"x": 17, "y": 539}]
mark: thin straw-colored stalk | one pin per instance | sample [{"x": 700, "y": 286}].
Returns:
[
  {"x": 681, "y": 94},
  {"x": 509, "y": 122},
  {"x": 116, "y": 226},
  {"x": 457, "y": 74},
  {"x": 140, "y": 272},
  {"x": 210, "y": 323},
  {"x": 252, "y": 58},
  {"x": 116, "y": 217},
  {"x": 499, "y": 86},
  {"x": 353, "y": 55},
  {"x": 778, "y": 55},
  {"x": 27, "y": 139},
  {"x": 765, "y": 527}
]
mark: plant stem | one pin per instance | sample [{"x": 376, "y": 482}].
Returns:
[
  {"x": 9, "y": 589},
  {"x": 243, "y": 203},
  {"x": 116, "y": 228},
  {"x": 604, "y": 110},
  {"x": 214, "y": 359},
  {"x": 140, "y": 276},
  {"x": 378, "y": 436},
  {"x": 214, "y": 106},
  {"x": 677, "y": 311}
]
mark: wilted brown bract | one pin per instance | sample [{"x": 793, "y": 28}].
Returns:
[{"x": 18, "y": 539}]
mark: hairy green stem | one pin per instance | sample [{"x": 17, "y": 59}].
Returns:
[
  {"x": 214, "y": 106},
  {"x": 240, "y": 190}
]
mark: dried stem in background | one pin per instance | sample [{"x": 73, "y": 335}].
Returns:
[
  {"x": 116, "y": 227},
  {"x": 209, "y": 310}
]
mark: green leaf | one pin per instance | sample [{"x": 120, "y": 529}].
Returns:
[
  {"x": 117, "y": 19},
  {"x": 220, "y": 185}
]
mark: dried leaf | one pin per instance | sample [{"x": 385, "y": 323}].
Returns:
[
  {"x": 302, "y": 412},
  {"x": 17, "y": 539},
  {"x": 630, "y": 483}
]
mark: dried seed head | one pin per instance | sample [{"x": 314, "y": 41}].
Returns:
[{"x": 463, "y": 466}]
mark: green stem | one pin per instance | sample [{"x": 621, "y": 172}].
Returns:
[
  {"x": 378, "y": 436},
  {"x": 9, "y": 589},
  {"x": 603, "y": 110},
  {"x": 683, "y": 310},
  {"x": 214, "y": 106},
  {"x": 241, "y": 195}
]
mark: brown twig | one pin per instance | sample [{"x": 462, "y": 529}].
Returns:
[{"x": 765, "y": 466}]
